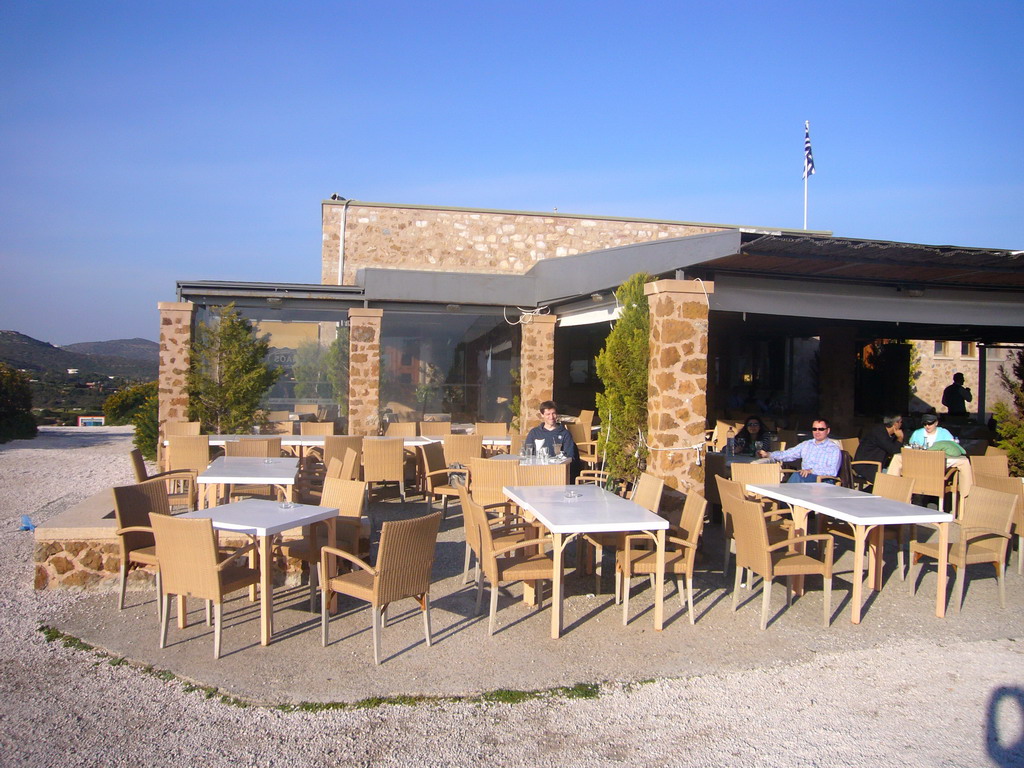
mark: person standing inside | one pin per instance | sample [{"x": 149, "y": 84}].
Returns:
[
  {"x": 818, "y": 456},
  {"x": 956, "y": 396},
  {"x": 881, "y": 443}
]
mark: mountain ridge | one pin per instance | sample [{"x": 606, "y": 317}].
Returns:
[{"x": 24, "y": 352}]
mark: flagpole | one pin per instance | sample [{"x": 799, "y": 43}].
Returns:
[
  {"x": 808, "y": 164},
  {"x": 805, "y": 201}
]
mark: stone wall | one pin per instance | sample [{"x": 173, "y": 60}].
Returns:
[
  {"x": 536, "y": 361},
  {"x": 454, "y": 239},
  {"x": 364, "y": 371},
  {"x": 677, "y": 381},
  {"x": 175, "y": 354},
  {"x": 937, "y": 373}
]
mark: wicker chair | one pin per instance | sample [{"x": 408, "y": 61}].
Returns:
[
  {"x": 435, "y": 428},
  {"x": 437, "y": 476},
  {"x": 352, "y": 529},
  {"x": 188, "y": 452},
  {"x": 515, "y": 446},
  {"x": 316, "y": 427},
  {"x": 756, "y": 552},
  {"x": 503, "y": 563},
  {"x": 1011, "y": 485},
  {"x": 638, "y": 557},
  {"x": 647, "y": 492},
  {"x": 487, "y": 477},
  {"x": 985, "y": 522},
  {"x": 405, "y": 559},
  {"x": 459, "y": 449},
  {"x": 540, "y": 474},
  {"x": 931, "y": 478},
  {"x": 996, "y": 464},
  {"x": 263, "y": 448},
  {"x": 133, "y": 505},
  {"x": 731, "y": 493},
  {"x": 191, "y": 566},
  {"x": 336, "y": 445},
  {"x": 181, "y": 483},
  {"x": 498, "y": 429},
  {"x": 384, "y": 462},
  {"x": 401, "y": 429}
]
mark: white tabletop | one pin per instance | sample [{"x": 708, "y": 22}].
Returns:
[
  {"x": 524, "y": 462},
  {"x": 290, "y": 440},
  {"x": 250, "y": 470},
  {"x": 850, "y": 505},
  {"x": 261, "y": 517},
  {"x": 592, "y": 510}
]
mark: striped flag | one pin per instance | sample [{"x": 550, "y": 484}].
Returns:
[{"x": 808, "y": 157}]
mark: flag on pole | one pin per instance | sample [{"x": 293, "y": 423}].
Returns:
[{"x": 808, "y": 157}]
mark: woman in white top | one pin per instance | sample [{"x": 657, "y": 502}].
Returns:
[{"x": 931, "y": 432}]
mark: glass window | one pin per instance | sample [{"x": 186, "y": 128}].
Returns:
[
  {"x": 940, "y": 349},
  {"x": 968, "y": 349}
]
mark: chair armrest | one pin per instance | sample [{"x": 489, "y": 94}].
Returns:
[
  {"x": 173, "y": 474},
  {"x": 967, "y": 534},
  {"x": 134, "y": 529},
  {"x": 509, "y": 528},
  {"x": 827, "y": 538},
  {"x": 681, "y": 542},
  {"x": 520, "y": 545},
  {"x": 829, "y": 477},
  {"x": 877, "y": 464},
  {"x": 326, "y": 552},
  {"x": 235, "y": 555}
]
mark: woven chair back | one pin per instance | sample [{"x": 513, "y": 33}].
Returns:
[
  {"x": 648, "y": 492},
  {"x": 586, "y": 419},
  {"x": 133, "y": 507},
  {"x": 435, "y": 428},
  {"x": 459, "y": 449},
  {"x": 433, "y": 461},
  {"x": 995, "y": 450},
  {"x": 263, "y": 448},
  {"x": 405, "y": 558},
  {"x": 182, "y": 428},
  {"x": 139, "y": 465},
  {"x": 316, "y": 427},
  {"x": 187, "y": 551},
  {"x": 988, "y": 508},
  {"x": 756, "y": 474},
  {"x": 345, "y": 468},
  {"x": 384, "y": 460},
  {"x": 491, "y": 429},
  {"x": 305, "y": 408},
  {"x": 335, "y": 445},
  {"x": 928, "y": 470},
  {"x": 751, "y": 534},
  {"x": 479, "y": 537},
  {"x": 516, "y": 444},
  {"x": 893, "y": 487},
  {"x": 850, "y": 445},
  {"x": 995, "y": 464},
  {"x": 691, "y": 521},
  {"x": 188, "y": 452},
  {"x": 488, "y": 476},
  {"x": 349, "y": 496},
  {"x": 1010, "y": 485},
  {"x": 540, "y": 474},
  {"x": 401, "y": 429}
]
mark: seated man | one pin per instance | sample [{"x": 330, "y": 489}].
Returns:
[
  {"x": 552, "y": 433},
  {"x": 881, "y": 443},
  {"x": 818, "y": 456}
]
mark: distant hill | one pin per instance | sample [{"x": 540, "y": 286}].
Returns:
[
  {"x": 133, "y": 349},
  {"x": 21, "y": 351}
]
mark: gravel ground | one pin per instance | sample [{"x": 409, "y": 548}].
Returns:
[{"x": 930, "y": 693}]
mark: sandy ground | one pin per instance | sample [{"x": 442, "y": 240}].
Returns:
[{"x": 903, "y": 688}]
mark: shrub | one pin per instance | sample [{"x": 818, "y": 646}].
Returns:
[
  {"x": 16, "y": 422},
  {"x": 622, "y": 367},
  {"x": 1010, "y": 418},
  {"x": 147, "y": 426},
  {"x": 120, "y": 407}
]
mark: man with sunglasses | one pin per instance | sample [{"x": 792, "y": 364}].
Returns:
[{"x": 818, "y": 456}]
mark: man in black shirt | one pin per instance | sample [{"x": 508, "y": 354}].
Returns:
[
  {"x": 881, "y": 443},
  {"x": 551, "y": 432}
]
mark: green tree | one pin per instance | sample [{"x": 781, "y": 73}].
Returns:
[
  {"x": 1010, "y": 417},
  {"x": 229, "y": 374},
  {"x": 336, "y": 363},
  {"x": 16, "y": 422},
  {"x": 120, "y": 407},
  {"x": 146, "y": 421},
  {"x": 622, "y": 368}
]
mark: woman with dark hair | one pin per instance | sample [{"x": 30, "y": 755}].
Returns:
[{"x": 753, "y": 431}]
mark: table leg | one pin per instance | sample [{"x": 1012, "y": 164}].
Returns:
[
  {"x": 659, "y": 582},
  {"x": 332, "y": 563},
  {"x": 800, "y": 515},
  {"x": 182, "y": 612},
  {"x": 558, "y": 541},
  {"x": 860, "y": 535},
  {"x": 940, "y": 592},
  {"x": 878, "y": 557},
  {"x": 266, "y": 593}
]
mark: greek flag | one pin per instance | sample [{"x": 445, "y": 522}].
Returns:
[{"x": 808, "y": 157}]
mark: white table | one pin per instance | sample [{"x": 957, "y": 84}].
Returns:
[
  {"x": 264, "y": 519},
  {"x": 593, "y": 510},
  {"x": 249, "y": 470},
  {"x": 866, "y": 513}
]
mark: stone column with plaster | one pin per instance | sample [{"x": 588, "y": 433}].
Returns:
[
  {"x": 536, "y": 365},
  {"x": 364, "y": 371},
  {"x": 837, "y": 367},
  {"x": 677, "y": 381},
  {"x": 175, "y": 356}
]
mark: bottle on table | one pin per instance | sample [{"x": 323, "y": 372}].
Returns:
[{"x": 730, "y": 442}]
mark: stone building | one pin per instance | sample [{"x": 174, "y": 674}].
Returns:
[{"x": 437, "y": 308}]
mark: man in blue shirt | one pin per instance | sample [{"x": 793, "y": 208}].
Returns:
[
  {"x": 818, "y": 456},
  {"x": 552, "y": 433}
]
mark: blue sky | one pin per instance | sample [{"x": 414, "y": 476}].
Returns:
[{"x": 143, "y": 143}]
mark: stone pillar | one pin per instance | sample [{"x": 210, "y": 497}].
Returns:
[
  {"x": 536, "y": 365},
  {"x": 364, "y": 371},
  {"x": 837, "y": 367},
  {"x": 175, "y": 355},
  {"x": 677, "y": 381}
]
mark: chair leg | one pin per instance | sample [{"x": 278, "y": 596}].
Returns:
[
  {"x": 913, "y": 572},
  {"x": 959, "y": 577},
  {"x": 465, "y": 565},
  {"x": 789, "y": 591},
  {"x": 159, "y": 596},
  {"x": 218, "y": 611},
  {"x": 166, "y": 599},
  {"x": 625, "y": 599},
  {"x": 1000, "y": 573},
  {"x": 766, "y": 600},
  {"x": 598, "y": 559},
  {"x": 479, "y": 591},
  {"x": 689, "y": 597},
  {"x": 736, "y": 588},
  {"x": 828, "y": 601},
  {"x": 122, "y": 586},
  {"x": 1020, "y": 553},
  {"x": 208, "y": 613},
  {"x": 325, "y": 599},
  {"x": 618, "y": 585},
  {"x": 494, "y": 608},
  {"x": 901, "y": 545},
  {"x": 426, "y": 618},
  {"x": 314, "y": 584},
  {"x": 375, "y": 615}
]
